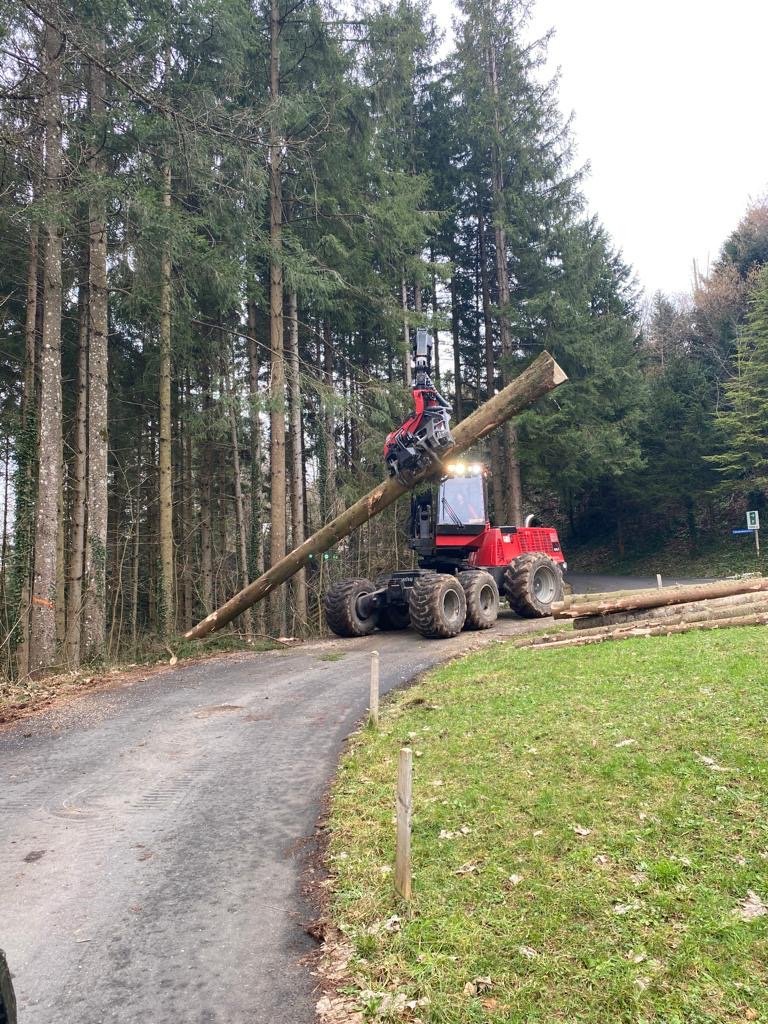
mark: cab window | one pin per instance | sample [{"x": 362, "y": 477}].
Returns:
[{"x": 461, "y": 502}]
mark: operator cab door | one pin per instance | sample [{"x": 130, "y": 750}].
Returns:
[{"x": 461, "y": 506}]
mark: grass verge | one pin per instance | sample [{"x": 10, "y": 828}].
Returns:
[{"x": 588, "y": 827}]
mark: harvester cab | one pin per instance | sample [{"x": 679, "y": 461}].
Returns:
[{"x": 465, "y": 566}]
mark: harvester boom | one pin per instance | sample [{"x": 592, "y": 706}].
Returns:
[{"x": 542, "y": 376}]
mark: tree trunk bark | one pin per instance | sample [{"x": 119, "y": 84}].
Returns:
[
  {"x": 497, "y": 475},
  {"x": 94, "y": 624},
  {"x": 206, "y": 498},
  {"x": 329, "y": 484},
  {"x": 277, "y": 542},
  {"x": 297, "y": 461},
  {"x": 78, "y": 469},
  {"x": 657, "y": 629},
  {"x": 457, "y": 402},
  {"x": 660, "y": 598},
  {"x": 256, "y": 564},
  {"x": 43, "y": 619},
  {"x": 187, "y": 512},
  {"x": 514, "y": 494},
  {"x": 242, "y": 542},
  {"x": 541, "y": 377},
  {"x": 407, "y": 373},
  {"x": 167, "y": 580}
]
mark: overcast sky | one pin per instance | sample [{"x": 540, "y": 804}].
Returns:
[{"x": 670, "y": 112}]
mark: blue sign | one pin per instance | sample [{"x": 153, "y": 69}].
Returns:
[{"x": 735, "y": 532}]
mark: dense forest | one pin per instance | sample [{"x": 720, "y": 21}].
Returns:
[{"x": 221, "y": 222}]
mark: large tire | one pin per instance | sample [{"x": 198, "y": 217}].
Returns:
[
  {"x": 438, "y": 606},
  {"x": 341, "y": 609},
  {"x": 482, "y": 596},
  {"x": 532, "y": 584}
]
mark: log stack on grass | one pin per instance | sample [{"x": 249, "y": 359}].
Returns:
[{"x": 657, "y": 612}]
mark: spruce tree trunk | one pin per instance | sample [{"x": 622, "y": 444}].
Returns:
[
  {"x": 497, "y": 477},
  {"x": 407, "y": 372},
  {"x": 242, "y": 542},
  {"x": 256, "y": 564},
  {"x": 297, "y": 461},
  {"x": 43, "y": 618},
  {"x": 457, "y": 402},
  {"x": 435, "y": 315},
  {"x": 187, "y": 511},
  {"x": 206, "y": 498},
  {"x": 136, "y": 554},
  {"x": 167, "y": 581},
  {"x": 329, "y": 484},
  {"x": 277, "y": 546},
  {"x": 25, "y": 462},
  {"x": 514, "y": 494},
  {"x": 77, "y": 489},
  {"x": 94, "y": 618}
]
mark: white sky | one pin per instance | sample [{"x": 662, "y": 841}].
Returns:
[{"x": 670, "y": 113}]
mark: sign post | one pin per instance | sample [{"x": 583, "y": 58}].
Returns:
[{"x": 753, "y": 525}]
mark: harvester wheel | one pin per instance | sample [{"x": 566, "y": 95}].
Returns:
[
  {"x": 482, "y": 596},
  {"x": 342, "y": 608},
  {"x": 438, "y": 606},
  {"x": 532, "y": 584}
]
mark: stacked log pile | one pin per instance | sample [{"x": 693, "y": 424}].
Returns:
[{"x": 658, "y": 612}]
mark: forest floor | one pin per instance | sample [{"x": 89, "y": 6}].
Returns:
[
  {"x": 21, "y": 697},
  {"x": 590, "y": 838},
  {"x": 716, "y": 556}
]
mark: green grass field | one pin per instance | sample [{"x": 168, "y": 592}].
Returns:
[{"x": 604, "y": 816}]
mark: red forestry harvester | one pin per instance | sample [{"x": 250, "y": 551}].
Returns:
[{"x": 464, "y": 563}]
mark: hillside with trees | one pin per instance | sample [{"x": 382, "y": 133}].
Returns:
[{"x": 221, "y": 222}]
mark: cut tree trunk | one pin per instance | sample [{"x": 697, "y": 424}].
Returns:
[
  {"x": 667, "y": 596},
  {"x": 658, "y": 629},
  {"x": 691, "y": 611},
  {"x": 542, "y": 376}
]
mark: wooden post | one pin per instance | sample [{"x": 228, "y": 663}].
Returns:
[
  {"x": 658, "y": 580},
  {"x": 404, "y": 811},
  {"x": 373, "y": 706}
]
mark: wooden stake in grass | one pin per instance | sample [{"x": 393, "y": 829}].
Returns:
[
  {"x": 373, "y": 705},
  {"x": 404, "y": 809}
]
